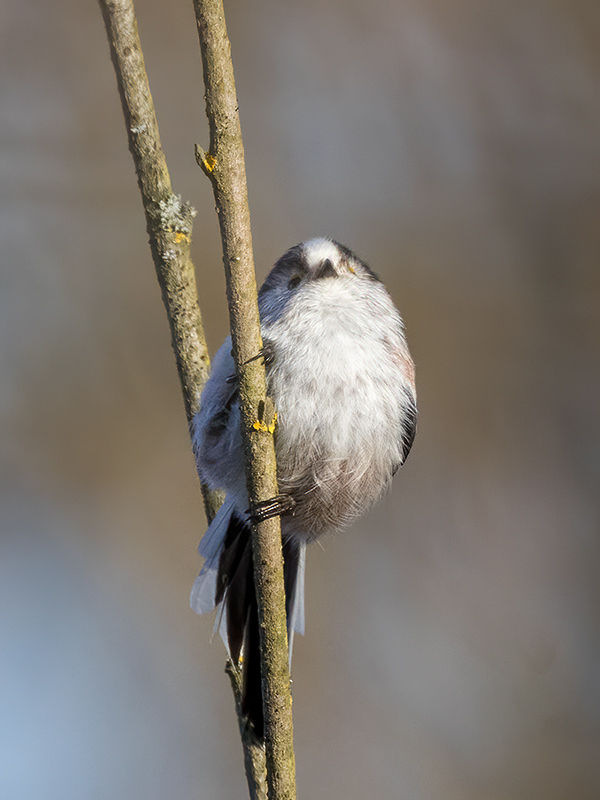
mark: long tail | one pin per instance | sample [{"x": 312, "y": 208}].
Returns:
[{"x": 227, "y": 581}]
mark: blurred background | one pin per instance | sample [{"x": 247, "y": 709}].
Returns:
[{"x": 453, "y": 634}]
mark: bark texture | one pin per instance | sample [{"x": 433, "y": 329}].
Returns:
[
  {"x": 168, "y": 218},
  {"x": 225, "y": 167}
]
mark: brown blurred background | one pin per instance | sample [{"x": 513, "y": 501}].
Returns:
[{"x": 453, "y": 635}]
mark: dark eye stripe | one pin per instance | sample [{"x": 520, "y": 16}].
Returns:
[{"x": 293, "y": 282}]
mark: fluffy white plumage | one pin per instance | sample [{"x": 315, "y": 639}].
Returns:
[{"x": 342, "y": 380}]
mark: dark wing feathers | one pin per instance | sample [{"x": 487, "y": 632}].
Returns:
[{"x": 410, "y": 425}]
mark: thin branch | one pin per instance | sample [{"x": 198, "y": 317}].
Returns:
[
  {"x": 168, "y": 218},
  {"x": 225, "y": 167}
]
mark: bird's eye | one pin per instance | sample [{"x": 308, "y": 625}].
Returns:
[{"x": 293, "y": 282}]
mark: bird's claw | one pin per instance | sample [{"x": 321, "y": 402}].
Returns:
[
  {"x": 265, "y": 352},
  {"x": 274, "y": 507}
]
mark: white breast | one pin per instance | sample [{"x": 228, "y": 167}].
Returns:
[{"x": 337, "y": 381}]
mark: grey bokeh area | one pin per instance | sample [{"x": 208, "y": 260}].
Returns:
[{"x": 453, "y": 634}]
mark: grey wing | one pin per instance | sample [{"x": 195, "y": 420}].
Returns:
[
  {"x": 203, "y": 596},
  {"x": 216, "y": 427}
]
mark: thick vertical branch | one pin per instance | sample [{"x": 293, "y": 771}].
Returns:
[
  {"x": 225, "y": 167},
  {"x": 168, "y": 219}
]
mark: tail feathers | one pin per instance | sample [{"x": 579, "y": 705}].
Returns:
[
  {"x": 252, "y": 699},
  {"x": 293, "y": 573},
  {"x": 202, "y": 598},
  {"x": 235, "y": 585},
  {"x": 294, "y": 560},
  {"x": 227, "y": 581}
]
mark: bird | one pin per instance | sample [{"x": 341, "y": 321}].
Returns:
[{"x": 342, "y": 379}]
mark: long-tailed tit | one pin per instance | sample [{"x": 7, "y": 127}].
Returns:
[{"x": 342, "y": 380}]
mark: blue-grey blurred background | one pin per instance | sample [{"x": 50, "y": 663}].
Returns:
[{"x": 453, "y": 635}]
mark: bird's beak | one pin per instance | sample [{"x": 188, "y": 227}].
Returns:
[{"x": 325, "y": 270}]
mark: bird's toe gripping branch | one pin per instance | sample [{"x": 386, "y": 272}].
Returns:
[{"x": 274, "y": 507}]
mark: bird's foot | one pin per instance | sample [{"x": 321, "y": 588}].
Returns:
[
  {"x": 274, "y": 507},
  {"x": 265, "y": 352}
]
